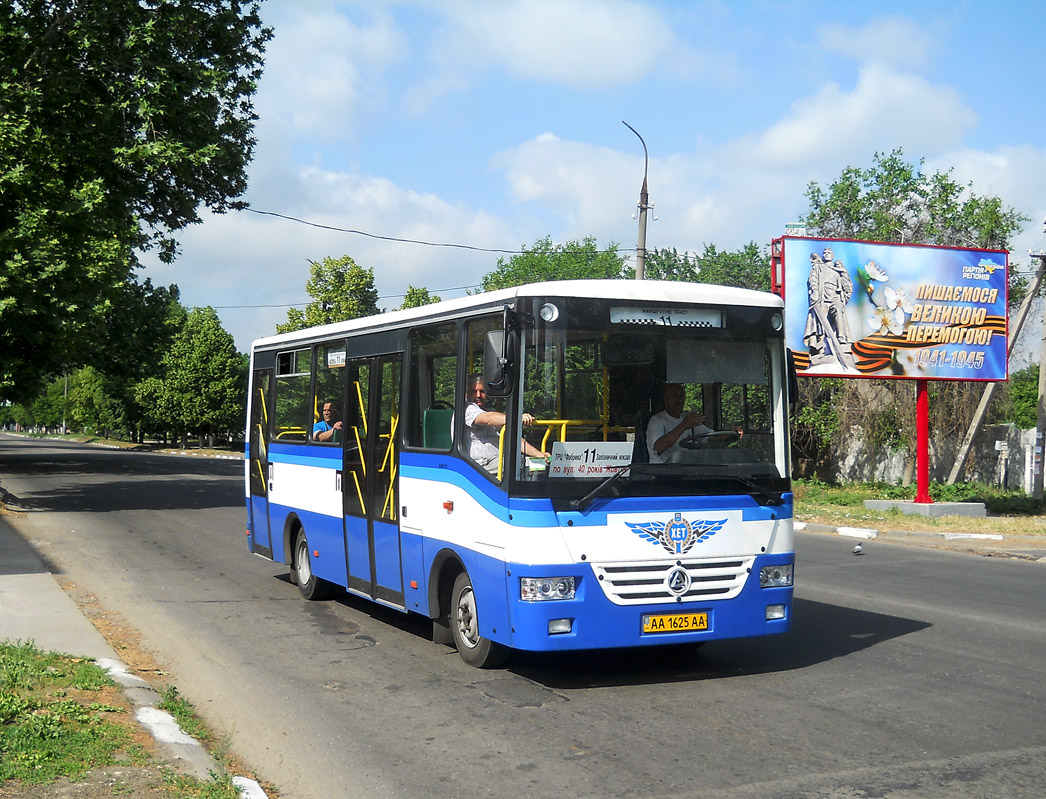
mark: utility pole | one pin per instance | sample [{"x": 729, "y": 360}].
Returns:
[
  {"x": 644, "y": 205},
  {"x": 1040, "y": 423}
]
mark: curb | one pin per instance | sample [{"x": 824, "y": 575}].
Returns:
[
  {"x": 178, "y": 745},
  {"x": 1035, "y": 552},
  {"x": 161, "y": 725}
]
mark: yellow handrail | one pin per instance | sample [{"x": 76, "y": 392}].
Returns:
[
  {"x": 389, "y": 450},
  {"x": 359, "y": 491},
  {"x": 265, "y": 410},
  {"x": 501, "y": 452},
  {"x": 363, "y": 409},
  {"x": 563, "y": 424}
]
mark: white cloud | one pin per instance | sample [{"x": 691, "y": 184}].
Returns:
[
  {"x": 896, "y": 41},
  {"x": 1015, "y": 174},
  {"x": 583, "y": 43},
  {"x": 579, "y": 182},
  {"x": 255, "y": 260},
  {"x": 885, "y": 110},
  {"x": 322, "y": 68}
]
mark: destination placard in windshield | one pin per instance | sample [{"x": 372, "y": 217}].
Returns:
[{"x": 588, "y": 458}]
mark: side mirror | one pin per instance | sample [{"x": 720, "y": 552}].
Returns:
[{"x": 497, "y": 367}]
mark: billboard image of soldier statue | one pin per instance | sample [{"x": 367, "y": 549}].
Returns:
[{"x": 829, "y": 288}]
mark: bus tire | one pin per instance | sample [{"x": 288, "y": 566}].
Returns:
[
  {"x": 311, "y": 586},
  {"x": 464, "y": 627}
]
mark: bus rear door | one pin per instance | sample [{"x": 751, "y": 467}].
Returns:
[
  {"x": 370, "y": 481},
  {"x": 260, "y": 475}
]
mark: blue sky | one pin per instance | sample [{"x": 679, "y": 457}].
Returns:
[{"x": 495, "y": 123}]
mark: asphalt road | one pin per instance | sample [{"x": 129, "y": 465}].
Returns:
[{"x": 908, "y": 673}]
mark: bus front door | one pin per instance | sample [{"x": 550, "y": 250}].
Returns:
[
  {"x": 370, "y": 484},
  {"x": 259, "y": 463}
]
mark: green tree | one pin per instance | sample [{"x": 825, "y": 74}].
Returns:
[
  {"x": 92, "y": 408},
  {"x": 203, "y": 385},
  {"x": 141, "y": 321},
  {"x": 574, "y": 260},
  {"x": 747, "y": 268},
  {"x": 53, "y": 407},
  {"x": 894, "y": 201},
  {"x": 118, "y": 120},
  {"x": 1024, "y": 398},
  {"x": 417, "y": 297},
  {"x": 340, "y": 290}
]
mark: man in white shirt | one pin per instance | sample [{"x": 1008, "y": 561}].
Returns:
[
  {"x": 666, "y": 428},
  {"x": 484, "y": 428}
]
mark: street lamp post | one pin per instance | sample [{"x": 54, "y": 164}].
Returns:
[{"x": 644, "y": 205}]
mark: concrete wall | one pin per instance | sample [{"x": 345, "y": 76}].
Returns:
[{"x": 1012, "y": 467}]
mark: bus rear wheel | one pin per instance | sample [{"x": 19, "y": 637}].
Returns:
[
  {"x": 464, "y": 627},
  {"x": 311, "y": 586}
]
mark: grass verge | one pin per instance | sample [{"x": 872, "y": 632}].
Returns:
[
  {"x": 62, "y": 717},
  {"x": 1009, "y": 512}
]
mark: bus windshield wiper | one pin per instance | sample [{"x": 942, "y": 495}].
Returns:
[
  {"x": 772, "y": 497},
  {"x": 581, "y": 504}
]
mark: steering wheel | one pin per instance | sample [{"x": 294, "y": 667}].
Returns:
[{"x": 714, "y": 438}]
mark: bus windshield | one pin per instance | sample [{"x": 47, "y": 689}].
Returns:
[{"x": 664, "y": 401}]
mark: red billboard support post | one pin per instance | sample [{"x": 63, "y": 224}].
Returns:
[{"x": 922, "y": 443}]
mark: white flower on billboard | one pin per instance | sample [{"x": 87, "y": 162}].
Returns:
[{"x": 885, "y": 320}]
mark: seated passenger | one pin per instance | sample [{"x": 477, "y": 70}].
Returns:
[
  {"x": 324, "y": 430},
  {"x": 484, "y": 427}
]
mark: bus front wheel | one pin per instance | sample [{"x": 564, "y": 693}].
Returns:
[
  {"x": 464, "y": 627},
  {"x": 311, "y": 586}
]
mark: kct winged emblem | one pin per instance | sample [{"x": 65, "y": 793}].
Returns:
[{"x": 679, "y": 535}]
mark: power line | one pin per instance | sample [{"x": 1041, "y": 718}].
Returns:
[
  {"x": 382, "y": 238},
  {"x": 303, "y": 304},
  {"x": 423, "y": 243}
]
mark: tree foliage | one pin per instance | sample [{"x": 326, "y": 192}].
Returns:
[
  {"x": 748, "y": 267},
  {"x": 1023, "y": 397},
  {"x": 340, "y": 290},
  {"x": 574, "y": 260},
  {"x": 417, "y": 297},
  {"x": 894, "y": 201},
  {"x": 118, "y": 120},
  {"x": 202, "y": 386},
  {"x": 91, "y": 407}
]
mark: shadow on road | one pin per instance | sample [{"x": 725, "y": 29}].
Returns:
[
  {"x": 820, "y": 632},
  {"x": 154, "y": 482}
]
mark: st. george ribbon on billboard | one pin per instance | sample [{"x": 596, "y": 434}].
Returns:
[{"x": 870, "y": 309}]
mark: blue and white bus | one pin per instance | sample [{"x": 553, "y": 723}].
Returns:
[{"x": 586, "y": 538}]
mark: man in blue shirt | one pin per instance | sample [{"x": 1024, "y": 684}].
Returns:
[{"x": 324, "y": 429}]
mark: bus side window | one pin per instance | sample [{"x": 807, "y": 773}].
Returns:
[
  {"x": 293, "y": 413},
  {"x": 330, "y": 391},
  {"x": 433, "y": 370}
]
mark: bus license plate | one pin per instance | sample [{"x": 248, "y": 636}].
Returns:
[{"x": 674, "y": 622}]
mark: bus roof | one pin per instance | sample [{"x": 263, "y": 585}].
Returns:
[{"x": 669, "y": 292}]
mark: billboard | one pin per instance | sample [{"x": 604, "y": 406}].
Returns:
[{"x": 868, "y": 309}]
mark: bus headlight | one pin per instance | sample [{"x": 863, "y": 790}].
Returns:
[
  {"x": 538, "y": 589},
  {"x": 775, "y": 576}
]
